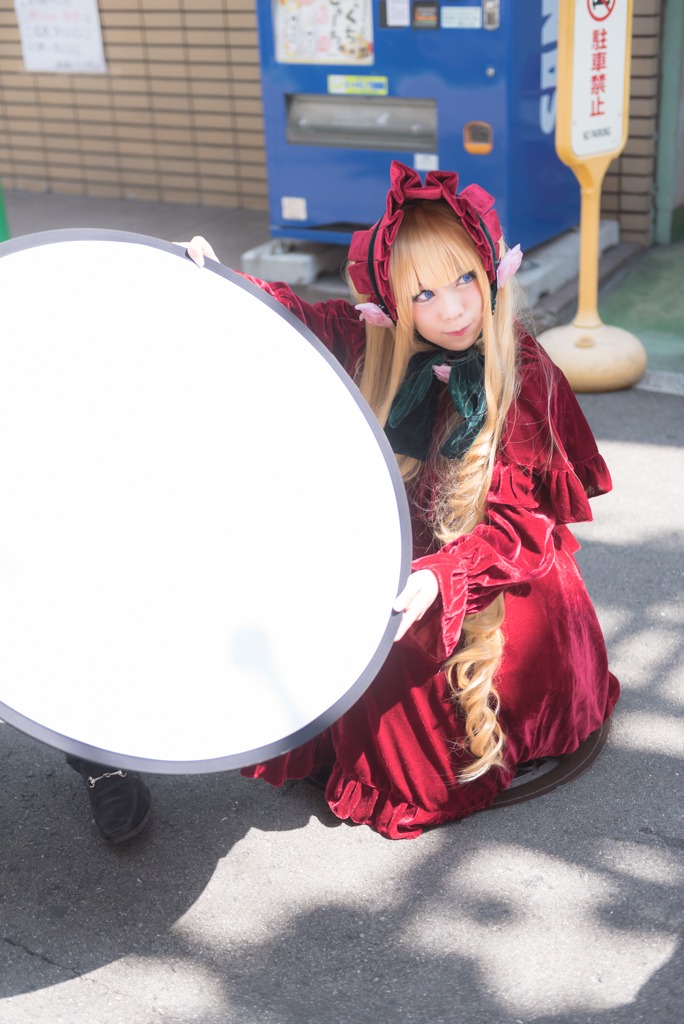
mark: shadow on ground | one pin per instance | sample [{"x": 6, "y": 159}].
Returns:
[{"x": 248, "y": 904}]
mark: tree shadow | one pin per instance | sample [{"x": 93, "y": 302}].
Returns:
[
  {"x": 543, "y": 912},
  {"x": 563, "y": 910},
  {"x": 74, "y": 904}
]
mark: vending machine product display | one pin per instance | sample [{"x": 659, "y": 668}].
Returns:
[{"x": 464, "y": 85}]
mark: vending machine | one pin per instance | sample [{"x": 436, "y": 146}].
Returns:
[{"x": 464, "y": 85}]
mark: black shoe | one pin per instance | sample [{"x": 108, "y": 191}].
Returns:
[{"x": 120, "y": 800}]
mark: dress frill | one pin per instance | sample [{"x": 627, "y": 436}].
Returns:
[
  {"x": 362, "y": 803},
  {"x": 569, "y": 487},
  {"x": 352, "y": 800}
]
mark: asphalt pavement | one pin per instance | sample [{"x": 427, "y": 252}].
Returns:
[{"x": 242, "y": 904}]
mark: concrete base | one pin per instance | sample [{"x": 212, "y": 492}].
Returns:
[
  {"x": 600, "y": 358},
  {"x": 549, "y": 267},
  {"x": 292, "y": 261}
]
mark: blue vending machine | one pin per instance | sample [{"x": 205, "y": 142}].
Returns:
[{"x": 464, "y": 85}]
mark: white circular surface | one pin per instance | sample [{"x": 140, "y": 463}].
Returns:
[{"x": 202, "y": 527}]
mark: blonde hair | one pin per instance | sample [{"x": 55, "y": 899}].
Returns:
[{"x": 432, "y": 249}]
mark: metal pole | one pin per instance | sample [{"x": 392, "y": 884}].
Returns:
[{"x": 591, "y": 177}]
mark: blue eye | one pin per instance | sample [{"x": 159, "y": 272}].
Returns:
[
  {"x": 423, "y": 296},
  {"x": 467, "y": 278}
]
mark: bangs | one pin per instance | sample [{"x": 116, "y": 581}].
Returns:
[{"x": 431, "y": 250}]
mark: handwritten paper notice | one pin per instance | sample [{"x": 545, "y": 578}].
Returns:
[
  {"x": 320, "y": 32},
  {"x": 61, "y": 35}
]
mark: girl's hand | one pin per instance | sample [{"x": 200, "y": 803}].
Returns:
[
  {"x": 420, "y": 592},
  {"x": 197, "y": 248}
]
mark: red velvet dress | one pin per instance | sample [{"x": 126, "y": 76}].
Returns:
[{"x": 395, "y": 754}]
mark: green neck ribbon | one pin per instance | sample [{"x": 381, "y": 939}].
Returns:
[{"x": 411, "y": 424}]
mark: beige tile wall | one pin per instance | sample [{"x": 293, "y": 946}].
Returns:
[
  {"x": 628, "y": 191},
  {"x": 178, "y": 116}
]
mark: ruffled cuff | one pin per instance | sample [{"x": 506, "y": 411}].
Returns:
[
  {"x": 594, "y": 476},
  {"x": 439, "y": 631},
  {"x": 570, "y": 489},
  {"x": 568, "y": 486},
  {"x": 511, "y": 547}
]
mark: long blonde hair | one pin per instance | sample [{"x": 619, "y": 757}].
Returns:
[{"x": 431, "y": 250}]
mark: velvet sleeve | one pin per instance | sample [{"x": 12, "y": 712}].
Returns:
[
  {"x": 512, "y": 547},
  {"x": 335, "y": 322}
]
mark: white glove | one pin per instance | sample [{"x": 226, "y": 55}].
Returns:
[
  {"x": 197, "y": 248},
  {"x": 421, "y": 591}
]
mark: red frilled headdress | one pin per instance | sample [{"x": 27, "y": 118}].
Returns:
[{"x": 369, "y": 252}]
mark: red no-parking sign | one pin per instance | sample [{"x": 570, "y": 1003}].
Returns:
[
  {"x": 594, "y": 51},
  {"x": 600, "y": 9}
]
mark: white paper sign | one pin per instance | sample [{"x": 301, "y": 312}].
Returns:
[
  {"x": 461, "y": 17},
  {"x": 598, "y": 78},
  {"x": 426, "y": 161},
  {"x": 398, "y": 14},
  {"x": 61, "y": 35}
]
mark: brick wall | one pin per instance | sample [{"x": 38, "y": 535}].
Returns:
[
  {"x": 628, "y": 192},
  {"x": 176, "y": 118}
]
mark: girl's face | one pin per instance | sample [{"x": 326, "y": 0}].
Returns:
[{"x": 450, "y": 316}]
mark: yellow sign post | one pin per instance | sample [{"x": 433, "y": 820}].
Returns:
[{"x": 594, "y": 51}]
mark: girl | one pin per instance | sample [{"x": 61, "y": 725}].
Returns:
[{"x": 499, "y": 658}]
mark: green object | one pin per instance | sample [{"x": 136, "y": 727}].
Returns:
[
  {"x": 668, "y": 217},
  {"x": 4, "y": 226},
  {"x": 678, "y": 224},
  {"x": 411, "y": 422},
  {"x": 649, "y": 302}
]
